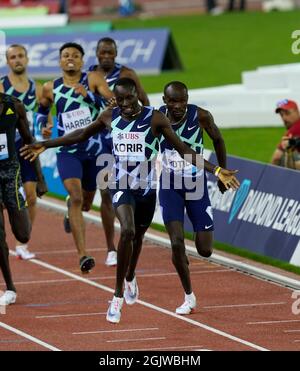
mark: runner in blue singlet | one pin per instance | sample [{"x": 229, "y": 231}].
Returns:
[
  {"x": 106, "y": 53},
  {"x": 78, "y": 101},
  {"x": 188, "y": 122}
]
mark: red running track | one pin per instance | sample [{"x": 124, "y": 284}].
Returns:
[{"x": 59, "y": 309}]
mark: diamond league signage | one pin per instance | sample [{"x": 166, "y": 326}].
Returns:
[
  {"x": 263, "y": 216},
  {"x": 146, "y": 51}
]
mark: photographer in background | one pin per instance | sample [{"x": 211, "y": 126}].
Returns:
[{"x": 287, "y": 153}]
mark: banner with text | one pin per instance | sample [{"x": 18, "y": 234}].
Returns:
[
  {"x": 263, "y": 216},
  {"x": 146, "y": 51}
]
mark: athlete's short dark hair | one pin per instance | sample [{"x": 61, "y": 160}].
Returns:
[
  {"x": 177, "y": 85},
  {"x": 126, "y": 82},
  {"x": 16, "y": 46},
  {"x": 106, "y": 40},
  {"x": 71, "y": 45}
]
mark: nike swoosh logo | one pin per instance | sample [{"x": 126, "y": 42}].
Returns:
[
  {"x": 192, "y": 127},
  {"x": 141, "y": 126},
  {"x": 31, "y": 96},
  {"x": 208, "y": 226}
]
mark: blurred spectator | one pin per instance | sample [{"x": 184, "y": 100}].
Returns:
[
  {"x": 213, "y": 8},
  {"x": 231, "y": 5},
  {"x": 287, "y": 153},
  {"x": 63, "y": 6}
]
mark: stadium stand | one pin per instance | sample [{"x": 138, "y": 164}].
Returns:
[{"x": 250, "y": 103}]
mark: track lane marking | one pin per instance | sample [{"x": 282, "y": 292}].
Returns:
[
  {"x": 148, "y": 305},
  {"x": 70, "y": 315},
  {"x": 115, "y": 331},
  {"x": 243, "y": 305},
  {"x": 29, "y": 337},
  {"x": 139, "y": 339}
]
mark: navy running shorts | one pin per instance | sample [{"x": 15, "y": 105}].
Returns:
[
  {"x": 80, "y": 166},
  {"x": 173, "y": 203},
  {"x": 143, "y": 206}
]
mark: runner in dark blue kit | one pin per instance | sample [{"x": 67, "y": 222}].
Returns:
[
  {"x": 12, "y": 194},
  {"x": 188, "y": 122},
  {"x": 135, "y": 131},
  {"x": 106, "y": 53}
]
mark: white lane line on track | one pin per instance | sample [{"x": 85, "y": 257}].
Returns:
[
  {"x": 259, "y": 273},
  {"x": 272, "y": 322},
  {"x": 115, "y": 331},
  {"x": 68, "y": 251},
  {"x": 148, "y": 305},
  {"x": 291, "y": 331},
  {"x": 139, "y": 339},
  {"x": 242, "y": 305},
  {"x": 70, "y": 315},
  {"x": 113, "y": 277},
  {"x": 164, "y": 348},
  {"x": 29, "y": 337}
]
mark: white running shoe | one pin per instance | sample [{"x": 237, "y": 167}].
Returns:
[
  {"x": 9, "y": 297},
  {"x": 114, "y": 310},
  {"x": 131, "y": 292},
  {"x": 188, "y": 306},
  {"x": 23, "y": 253},
  {"x": 111, "y": 259}
]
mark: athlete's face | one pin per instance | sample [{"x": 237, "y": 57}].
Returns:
[
  {"x": 289, "y": 117},
  {"x": 17, "y": 60},
  {"x": 106, "y": 54},
  {"x": 127, "y": 100},
  {"x": 176, "y": 101},
  {"x": 71, "y": 60}
]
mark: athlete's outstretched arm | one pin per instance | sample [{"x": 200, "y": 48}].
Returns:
[
  {"x": 98, "y": 85},
  {"x": 161, "y": 125},
  {"x": 30, "y": 152}
]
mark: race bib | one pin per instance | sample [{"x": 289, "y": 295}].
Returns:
[
  {"x": 129, "y": 146},
  {"x": 3, "y": 147},
  {"x": 174, "y": 162},
  {"x": 77, "y": 119}
]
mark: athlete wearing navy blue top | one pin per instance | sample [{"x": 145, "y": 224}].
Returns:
[
  {"x": 106, "y": 53},
  {"x": 77, "y": 98},
  {"x": 136, "y": 131},
  {"x": 19, "y": 85},
  {"x": 188, "y": 122}
]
